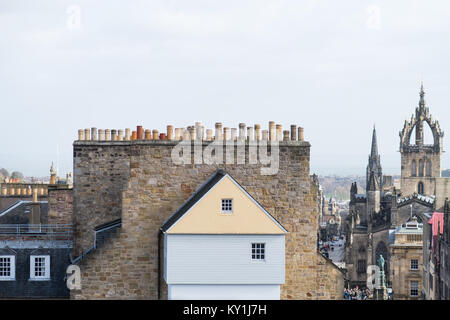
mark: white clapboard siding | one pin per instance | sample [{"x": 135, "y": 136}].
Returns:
[
  {"x": 224, "y": 292},
  {"x": 223, "y": 259}
]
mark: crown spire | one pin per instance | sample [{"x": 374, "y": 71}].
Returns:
[{"x": 422, "y": 95}]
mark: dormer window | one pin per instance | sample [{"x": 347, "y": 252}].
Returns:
[{"x": 227, "y": 205}]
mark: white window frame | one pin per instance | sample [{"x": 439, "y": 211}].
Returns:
[
  {"x": 411, "y": 288},
  {"x": 12, "y": 267},
  {"x": 46, "y": 275},
  {"x": 411, "y": 264},
  {"x": 229, "y": 204},
  {"x": 264, "y": 253}
]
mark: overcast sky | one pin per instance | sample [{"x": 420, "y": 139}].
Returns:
[{"x": 334, "y": 67}]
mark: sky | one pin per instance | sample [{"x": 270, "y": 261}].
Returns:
[{"x": 336, "y": 68}]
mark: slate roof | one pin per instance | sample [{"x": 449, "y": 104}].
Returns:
[{"x": 19, "y": 213}]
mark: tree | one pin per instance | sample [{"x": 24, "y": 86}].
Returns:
[
  {"x": 17, "y": 175},
  {"x": 4, "y": 173}
]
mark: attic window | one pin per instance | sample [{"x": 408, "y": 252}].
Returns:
[
  {"x": 7, "y": 268},
  {"x": 227, "y": 205}
]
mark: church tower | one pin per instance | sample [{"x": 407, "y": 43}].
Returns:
[
  {"x": 374, "y": 164},
  {"x": 420, "y": 162}
]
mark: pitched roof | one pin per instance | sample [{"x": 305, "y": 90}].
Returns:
[{"x": 202, "y": 191}]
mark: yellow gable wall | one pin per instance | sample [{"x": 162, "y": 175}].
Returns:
[{"x": 206, "y": 216}]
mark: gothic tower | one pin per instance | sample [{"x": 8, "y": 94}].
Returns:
[
  {"x": 374, "y": 164},
  {"x": 421, "y": 163}
]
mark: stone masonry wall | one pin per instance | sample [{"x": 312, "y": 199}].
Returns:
[
  {"x": 60, "y": 206},
  {"x": 100, "y": 174},
  {"x": 127, "y": 266}
]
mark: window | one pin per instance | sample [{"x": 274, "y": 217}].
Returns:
[
  {"x": 258, "y": 251},
  {"x": 414, "y": 291},
  {"x": 420, "y": 188},
  {"x": 40, "y": 267},
  {"x": 361, "y": 267},
  {"x": 7, "y": 268},
  {"x": 413, "y": 168},
  {"x": 227, "y": 205},
  {"x": 414, "y": 264}
]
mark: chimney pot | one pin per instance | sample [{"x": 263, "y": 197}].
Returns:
[
  {"x": 169, "y": 132},
  {"x": 87, "y": 134},
  {"x": 155, "y": 134},
  {"x": 140, "y": 132},
  {"x": 107, "y": 134},
  {"x": 257, "y": 132},
  {"x": 80, "y": 134},
  {"x": 148, "y": 134},
  {"x": 300, "y": 134},
  {"x": 133, "y": 135},
  {"x": 293, "y": 132},
  {"x": 94, "y": 134},
  {"x": 127, "y": 134}
]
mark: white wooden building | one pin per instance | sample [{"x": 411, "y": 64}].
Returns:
[{"x": 222, "y": 244}]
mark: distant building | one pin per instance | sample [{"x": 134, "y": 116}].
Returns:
[
  {"x": 36, "y": 243},
  {"x": 406, "y": 260}
]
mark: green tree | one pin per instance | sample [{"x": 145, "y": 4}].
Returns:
[{"x": 17, "y": 175}]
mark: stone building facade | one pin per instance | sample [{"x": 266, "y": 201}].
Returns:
[
  {"x": 374, "y": 216},
  {"x": 134, "y": 178}
]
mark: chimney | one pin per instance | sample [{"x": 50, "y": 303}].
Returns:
[
  {"x": 94, "y": 134},
  {"x": 35, "y": 208},
  {"x": 250, "y": 136},
  {"x": 107, "y": 134},
  {"x": 80, "y": 134},
  {"x": 233, "y": 134},
  {"x": 162, "y": 136},
  {"x": 293, "y": 132},
  {"x": 257, "y": 132},
  {"x": 35, "y": 195},
  {"x": 209, "y": 136},
  {"x": 264, "y": 135},
  {"x": 4, "y": 191},
  {"x": 242, "y": 131},
  {"x": 87, "y": 134},
  {"x": 300, "y": 134},
  {"x": 120, "y": 135},
  {"x": 218, "y": 135},
  {"x": 226, "y": 133},
  {"x": 155, "y": 134},
  {"x": 178, "y": 134},
  {"x": 286, "y": 135},
  {"x": 186, "y": 135},
  {"x": 114, "y": 135},
  {"x": 140, "y": 132},
  {"x": 133, "y": 135},
  {"x": 101, "y": 135},
  {"x": 279, "y": 132},
  {"x": 272, "y": 132},
  {"x": 148, "y": 134},
  {"x": 199, "y": 131},
  {"x": 127, "y": 134},
  {"x": 169, "y": 132}
]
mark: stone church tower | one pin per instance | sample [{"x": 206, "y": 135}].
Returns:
[{"x": 420, "y": 163}]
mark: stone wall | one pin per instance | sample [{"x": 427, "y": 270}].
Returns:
[
  {"x": 100, "y": 174},
  {"x": 60, "y": 206},
  {"x": 127, "y": 266}
]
